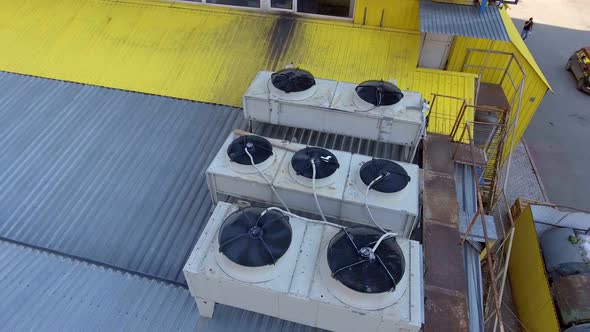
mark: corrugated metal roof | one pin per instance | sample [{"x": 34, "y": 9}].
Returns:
[
  {"x": 108, "y": 175},
  {"x": 203, "y": 53},
  {"x": 42, "y": 291},
  {"x": 460, "y": 20},
  {"x": 189, "y": 51},
  {"x": 47, "y": 292}
]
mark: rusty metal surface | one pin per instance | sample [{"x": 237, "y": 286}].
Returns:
[
  {"x": 444, "y": 311},
  {"x": 443, "y": 257},
  {"x": 464, "y": 155},
  {"x": 439, "y": 199},
  {"x": 492, "y": 95},
  {"x": 444, "y": 275},
  {"x": 437, "y": 154},
  {"x": 572, "y": 296}
]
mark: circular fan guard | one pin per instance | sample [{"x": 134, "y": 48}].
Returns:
[
  {"x": 395, "y": 178},
  {"x": 352, "y": 262},
  {"x": 325, "y": 161},
  {"x": 251, "y": 239},
  {"x": 257, "y": 146},
  {"x": 379, "y": 93},
  {"x": 292, "y": 80}
]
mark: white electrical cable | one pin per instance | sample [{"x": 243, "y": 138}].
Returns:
[
  {"x": 267, "y": 180},
  {"x": 367, "y": 203},
  {"x": 315, "y": 194},
  {"x": 321, "y": 222},
  {"x": 386, "y": 235},
  {"x": 374, "y": 107},
  {"x": 383, "y": 237}
]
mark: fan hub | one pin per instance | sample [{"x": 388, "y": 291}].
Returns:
[
  {"x": 366, "y": 252},
  {"x": 256, "y": 232},
  {"x": 353, "y": 262}
]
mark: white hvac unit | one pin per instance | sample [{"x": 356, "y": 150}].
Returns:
[
  {"x": 295, "y": 182},
  {"x": 374, "y": 110},
  {"x": 399, "y": 121},
  {"x": 393, "y": 198},
  {"x": 263, "y": 102},
  {"x": 313, "y": 273},
  {"x": 231, "y": 172},
  {"x": 340, "y": 185}
]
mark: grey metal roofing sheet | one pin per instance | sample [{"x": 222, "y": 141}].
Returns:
[
  {"x": 461, "y": 20},
  {"x": 108, "y": 175},
  {"x": 46, "y": 292},
  {"x": 42, "y": 291}
]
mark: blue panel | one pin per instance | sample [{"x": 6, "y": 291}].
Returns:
[{"x": 461, "y": 20}]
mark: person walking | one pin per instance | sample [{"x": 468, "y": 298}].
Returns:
[{"x": 527, "y": 29}]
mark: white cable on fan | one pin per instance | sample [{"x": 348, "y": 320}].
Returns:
[
  {"x": 267, "y": 180},
  {"x": 372, "y": 108},
  {"x": 385, "y": 236},
  {"x": 321, "y": 222},
  {"x": 367, "y": 202},
  {"x": 315, "y": 194}
]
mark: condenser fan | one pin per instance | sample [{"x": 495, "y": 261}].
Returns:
[
  {"x": 249, "y": 238},
  {"x": 292, "y": 80},
  {"x": 325, "y": 161},
  {"x": 257, "y": 146},
  {"x": 353, "y": 263},
  {"x": 394, "y": 177},
  {"x": 379, "y": 93}
]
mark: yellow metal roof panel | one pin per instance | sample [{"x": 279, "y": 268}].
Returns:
[
  {"x": 517, "y": 41},
  {"x": 444, "y": 111},
  {"x": 201, "y": 53}
]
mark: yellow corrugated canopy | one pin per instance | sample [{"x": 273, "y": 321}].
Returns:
[{"x": 201, "y": 53}]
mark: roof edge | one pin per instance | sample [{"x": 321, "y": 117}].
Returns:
[
  {"x": 517, "y": 41},
  {"x": 91, "y": 262}
]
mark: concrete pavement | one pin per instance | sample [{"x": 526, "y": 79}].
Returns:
[{"x": 558, "y": 137}]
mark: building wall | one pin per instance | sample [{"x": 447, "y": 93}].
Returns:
[
  {"x": 526, "y": 271},
  {"x": 534, "y": 88},
  {"x": 400, "y": 14}
]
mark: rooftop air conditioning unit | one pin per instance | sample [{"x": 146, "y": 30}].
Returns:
[
  {"x": 393, "y": 198},
  {"x": 231, "y": 172},
  {"x": 309, "y": 272},
  {"x": 295, "y": 183},
  {"x": 340, "y": 184},
  {"x": 374, "y": 110}
]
